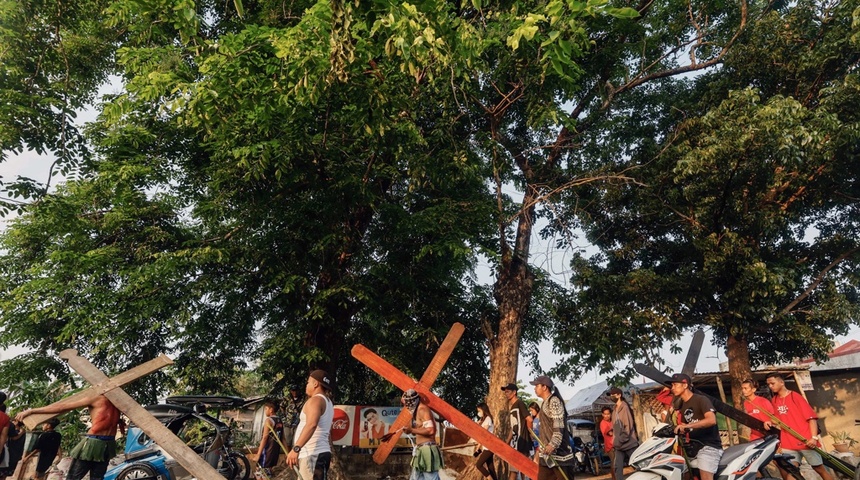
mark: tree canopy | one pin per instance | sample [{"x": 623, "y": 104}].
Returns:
[{"x": 275, "y": 182}]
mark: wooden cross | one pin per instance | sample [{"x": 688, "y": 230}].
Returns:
[
  {"x": 109, "y": 387},
  {"x": 402, "y": 381}
]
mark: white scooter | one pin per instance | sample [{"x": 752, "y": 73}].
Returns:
[
  {"x": 739, "y": 462},
  {"x": 662, "y": 440}
]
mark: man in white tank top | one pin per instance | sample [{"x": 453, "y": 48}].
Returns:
[{"x": 311, "y": 451}]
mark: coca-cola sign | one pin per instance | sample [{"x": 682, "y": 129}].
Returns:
[{"x": 339, "y": 424}]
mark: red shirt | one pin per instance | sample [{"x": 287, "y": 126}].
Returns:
[
  {"x": 795, "y": 411},
  {"x": 755, "y": 408},
  {"x": 606, "y": 430}
]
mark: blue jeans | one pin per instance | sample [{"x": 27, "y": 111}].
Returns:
[{"x": 416, "y": 475}]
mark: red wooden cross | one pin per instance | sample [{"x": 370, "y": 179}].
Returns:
[{"x": 402, "y": 381}]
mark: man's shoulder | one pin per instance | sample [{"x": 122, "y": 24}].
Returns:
[
  {"x": 796, "y": 397},
  {"x": 519, "y": 405}
]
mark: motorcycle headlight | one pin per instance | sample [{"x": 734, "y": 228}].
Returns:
[{"x": 642, "y": 463}]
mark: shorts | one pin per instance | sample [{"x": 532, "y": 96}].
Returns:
[
  {"x": 812, "y": 457},
  {"x": 708, "y": 459},
  {"x": 314, "y": 466}
]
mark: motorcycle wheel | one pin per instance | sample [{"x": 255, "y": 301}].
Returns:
[
  {"x": 241, "y": 466},
  {"x": 140, "y": 471}
]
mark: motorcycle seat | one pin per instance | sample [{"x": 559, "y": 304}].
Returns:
[{"x": 732, "y": 453}]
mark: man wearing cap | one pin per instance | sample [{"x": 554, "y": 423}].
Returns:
[
  {"x": 794, "y": 410},
  {"x": 624, "y": 436},
  {"x": 292, "y": 410},
  {"x": 554, "y": 453},
  {"x": 427, "y": 457},
  {"x": 311, "y": 451},
  {"x": 518, "y": 437},
  {"x": 699, "y": 421}
]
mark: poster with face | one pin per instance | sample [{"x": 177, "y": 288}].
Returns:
[{"x": 364, "y": 426}]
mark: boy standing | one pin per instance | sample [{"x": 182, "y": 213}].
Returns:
[{"x": 48, "y": 448}]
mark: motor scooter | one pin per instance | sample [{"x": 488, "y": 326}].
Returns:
[{"x": 738, "y": 462}]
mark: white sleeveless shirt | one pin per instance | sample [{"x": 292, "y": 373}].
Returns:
[{"x": 319, "y": 441}]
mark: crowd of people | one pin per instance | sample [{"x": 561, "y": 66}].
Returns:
[
  {"x": 536, "y": 431},
  {"x": 692, "y": 415}
]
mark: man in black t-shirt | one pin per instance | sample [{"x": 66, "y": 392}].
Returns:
[
  {"x": 519, "y": 437},
  {"x": 47, "y": 447},
  {"x": 699, "y": 421}
]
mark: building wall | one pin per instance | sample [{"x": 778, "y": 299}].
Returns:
[{"x": 836, "y": 399}]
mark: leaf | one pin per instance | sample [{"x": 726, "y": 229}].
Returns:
[{"x": 624, "y": 12}]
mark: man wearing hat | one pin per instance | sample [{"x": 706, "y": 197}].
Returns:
[
  {"x": 624, "y": 436},
  {"x": 311, "y": 451},
  {"x": 554, "y": 454},
  {"x": 518, "y": 437},
  {"x": 699, "y": 421},
  {"x": 292, "y": 410}
]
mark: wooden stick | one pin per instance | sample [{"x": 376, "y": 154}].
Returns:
[
  {"x": 836, "y": 463},
  {"x": 549, "y": 455}
]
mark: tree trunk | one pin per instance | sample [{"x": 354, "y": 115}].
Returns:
[
  {"x": 512, "y": 292},
  {"x": 738, "y": 353}
]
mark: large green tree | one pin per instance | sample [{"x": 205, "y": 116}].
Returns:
[{"x": 744, "y": 217}]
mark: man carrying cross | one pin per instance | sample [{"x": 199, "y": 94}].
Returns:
[{"x": 99, "y": 444}]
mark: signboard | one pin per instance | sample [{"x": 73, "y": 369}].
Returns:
[
  {"x": 804, "y": 380},
  {"x": 363, "y": 426}
]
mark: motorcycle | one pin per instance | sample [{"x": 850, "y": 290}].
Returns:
[
  {"x": 662, "y": 440},
  {"x": 738, "y": 462},
  {"x": 582, "y": 456}
]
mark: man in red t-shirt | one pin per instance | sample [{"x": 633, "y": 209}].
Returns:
[
  {"x": 794, "y": 410},
  {"x": 755, "y": 405},
  {"x": 606, "y": 431}
]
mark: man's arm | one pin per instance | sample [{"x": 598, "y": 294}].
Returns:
[
  {"x": 62, "y": 406},
  {"x": 268, "y": 425},
  {"x": 4, "y": 435}
]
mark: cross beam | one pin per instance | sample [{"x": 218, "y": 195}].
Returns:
[
  {"x": 124, "y": 378},
  {"x": 150, "y": 425},
  {"x": 428, "y": 378},
  {"x": 402, "y": 381}
]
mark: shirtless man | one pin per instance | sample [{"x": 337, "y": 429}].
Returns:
[
  {"x": 98, "y": 445},
  {"x": 427, "y": 458}
]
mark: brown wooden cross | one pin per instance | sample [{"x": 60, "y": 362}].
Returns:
[
  {"x": 109, "y": 387},
  {"x": 402, "y": 381}
]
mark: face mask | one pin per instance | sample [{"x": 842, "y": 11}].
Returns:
[
  {"x": 480, "y": 414},
  {"x": 410, "y": 400}
]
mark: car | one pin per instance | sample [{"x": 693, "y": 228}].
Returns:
[
  {"x": 584, "y": 429},
  {"x": 206, "y": 435}
]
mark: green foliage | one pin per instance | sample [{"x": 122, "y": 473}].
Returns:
[{"x": 744, "y": 218}]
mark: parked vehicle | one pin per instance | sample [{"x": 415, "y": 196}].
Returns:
[
  {"x": 739, "y": 462},
  {"x": 206, "y": 435}
]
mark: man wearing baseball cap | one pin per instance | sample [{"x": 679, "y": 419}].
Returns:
[
  {"x": 554, "y": 453},
  {"x": 518, "y": 437},
  {"x": 311, "y": 452},
  {"x": 699, "y": 421}
]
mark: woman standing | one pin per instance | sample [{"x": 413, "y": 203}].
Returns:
[
  {"x": 484, "y": 463},
  {"x": 534, "y": 411}
]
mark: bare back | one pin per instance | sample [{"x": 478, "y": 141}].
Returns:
[{"x": 104, "y": 417}]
